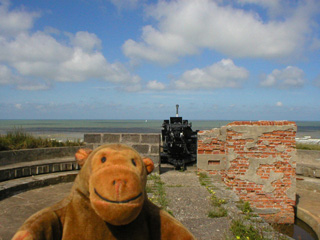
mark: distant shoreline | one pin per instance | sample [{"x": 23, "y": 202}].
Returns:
[{"x": 75, "y": 129}]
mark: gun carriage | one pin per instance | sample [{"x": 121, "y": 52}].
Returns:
[{"x": 179, "y": 142}]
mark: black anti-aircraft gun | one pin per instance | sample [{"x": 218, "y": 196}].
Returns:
[{"x": 179, "y": 142}]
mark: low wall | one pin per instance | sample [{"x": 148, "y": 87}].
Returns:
[
  {"x": 258, "y": 161},
  {"x": 147, "y": 144},
  {"x": 29, "y": 155},
  {"x": 308, "y": 163}
]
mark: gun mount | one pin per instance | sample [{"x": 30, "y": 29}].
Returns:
[{"x": 179, "y": 142}]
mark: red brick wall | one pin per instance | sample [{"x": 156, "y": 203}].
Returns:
[{"x": 259, "y": 164}]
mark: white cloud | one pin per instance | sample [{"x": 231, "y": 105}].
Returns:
[
  {"x": 290, "y": 77},
  {"x": 39, "y": 59},
  {"x": 185, "y": 27},
  {"x": 33, "y": 85},
  {"x": 223, "y": 74},
  {"x": 6, "y": 76},
  {"x": 16, "y": 21},
  {"x": 155, "y": 85},
  {"x": 279, "y": 104},
  {"x": 132, "y": 87},
  {"x": 86, "y": 41}
]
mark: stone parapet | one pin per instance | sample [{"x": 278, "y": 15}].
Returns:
[
  {"x": 308, "y": 163},
  {"x": 29, "y": 155},
  {"x": 147, "y": 144},
  {"x": 33, "y": 168},
  {"x": 258, "y": 161},
  {"x": 12, "y": 187}
]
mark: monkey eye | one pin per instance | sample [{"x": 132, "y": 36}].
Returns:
[
  {"x": 103, "y": 159},
  {"x": 133, "y": 162}
]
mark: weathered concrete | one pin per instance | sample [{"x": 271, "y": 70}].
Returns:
[
  {"x": 308, "y": 163},
  {"x": 16, "y": 209},
  {"x": 188, "y": 200},
  {"x": 26, "y": 169},
  {"x": 190, "y": 204},
  {"x": 308, "y": 188},
  {"x": 28, "y": 155},
  {"x": 308, "y": 208},
  {"x": 147, "y": 144},
  {"x": 308, "y": 157},
  {"x": 257, "y": 160},
  {"x": 12, "y": 187}
]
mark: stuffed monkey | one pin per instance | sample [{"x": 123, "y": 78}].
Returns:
[{"x": 108, "y": 201}]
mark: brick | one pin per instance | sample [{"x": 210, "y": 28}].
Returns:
[
  {"x": 6, "y": 175},
  {"x": 40, "y": 170},
  {"x": 92, "y": 138},
  {"x": 111, "y": 138},
  {"x": 239, "y": 164},
  {"x": 130, "y": 137},
  {"x": 26, "y": 171},
  {"x": 63, "y": 167},
  {"x": 150, "y": 138},
  {"x": 56, "y": 168},
  {"x": 34, "y": 170},
  {"x": 143, "y": 149},
  {"x": 18, "y": 173},
  {"x": 155, "y": 149}
]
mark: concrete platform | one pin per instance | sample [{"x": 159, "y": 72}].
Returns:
[
  {"x": 308, "y": 208},
  {"x": 16, "y": 209},
  {"x": 12, "y": 187}
]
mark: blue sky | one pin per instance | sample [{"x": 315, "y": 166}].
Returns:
[{"x": 131, "y": 59}]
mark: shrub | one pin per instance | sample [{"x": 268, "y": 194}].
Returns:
[{"x": 19, "y": 139}]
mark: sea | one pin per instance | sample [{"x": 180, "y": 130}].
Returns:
[{"x": 75, "y": 129}]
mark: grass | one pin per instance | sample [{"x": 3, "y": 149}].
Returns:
[
  {"x": 243, "y": 232},
  {"x": 217, "y": 213},
  {"x": 19, "y": 139},
  {"x": 238, "y": 229},
  {"x": 244, "y": 207},
  {"x": 157, "y": 189},
  {"x": 216, "y": 203},
  {"x": 307, "y": 146}
]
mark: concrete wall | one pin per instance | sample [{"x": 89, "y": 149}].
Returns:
[
  {"x": 258, "y": 161},
  {"x": 147, "y": 144},
  {"x": 28, "y": 155},
  {"x": 308, "y": 163}
]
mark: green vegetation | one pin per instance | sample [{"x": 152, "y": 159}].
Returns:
[
  {"x": 245, "y": 232},
  {"x": 155, "y": 187},
  {"x": 18, "y": 139},
  {"x": 243, "y": 227},
  {"x": 217, "y": 212},
  {"x": 216, "y": 203},
  {"x": 244, "y": 207},
  {"x": 307, "y": 146}
]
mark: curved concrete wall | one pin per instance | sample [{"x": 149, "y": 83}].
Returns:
[
  {"x": 28, "y": 155},
  {"x": 308, "y": 163}
]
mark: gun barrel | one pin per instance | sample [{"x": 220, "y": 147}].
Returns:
[{"x": 177, "y": 110}]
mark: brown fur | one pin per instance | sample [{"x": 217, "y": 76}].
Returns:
[{"x": 107, "y": 201}]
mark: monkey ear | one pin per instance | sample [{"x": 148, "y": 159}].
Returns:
[
  {"x": 149, "y": 165},
  {"x": 82, "y": 155}
]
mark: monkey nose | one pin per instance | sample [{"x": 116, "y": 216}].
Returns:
[
  {"x": 119, "y": 186},
  {"x": 119, "y": 182}
]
